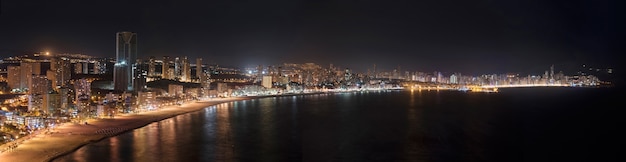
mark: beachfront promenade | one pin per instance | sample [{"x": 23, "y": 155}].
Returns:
[{"x": 68, "y": 137}]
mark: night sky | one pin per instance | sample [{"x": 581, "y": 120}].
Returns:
[{"x": 471, "y": 37}]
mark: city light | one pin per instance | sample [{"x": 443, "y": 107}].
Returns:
[{"x": 48, "y": 100}]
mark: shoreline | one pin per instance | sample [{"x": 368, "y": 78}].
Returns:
[{"x": 69, "y": 137}]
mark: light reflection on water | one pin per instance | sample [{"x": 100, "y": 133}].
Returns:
[{"x": 362, "y": 126}]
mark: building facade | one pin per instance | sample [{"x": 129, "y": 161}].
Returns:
[{"x": 126, "y": 56}]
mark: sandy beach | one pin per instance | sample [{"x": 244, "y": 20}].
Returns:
[{"x": 70, "y": 136}]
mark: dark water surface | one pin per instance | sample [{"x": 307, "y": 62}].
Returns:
[{"x": 519, "y": 124}]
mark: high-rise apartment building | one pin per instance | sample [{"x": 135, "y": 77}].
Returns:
[
  {"x": 126, "y": 56},
  {"x": 152, "y": 67},
  {"x": 199, "y": 71},
  {"x": 26, "y": 70},
  {"x": 147, "y": 100},
  {"x": 82, "y": 87},
  {"x": 186, "y": 73},
  {"x": 60, "y": 73},
  {"x": 99, "y": 67},
  {"x": 51, "y": 102},
  {"x": 267, "y": 81},
  {"x": 165, "y": 68},
  {"x": 177, "y": 69},
  {"x": 140, "y": 77},
  {"x": 39, "y": 84},
  {"x": 13, "y": 77},
  {"x": 175, "y": 89},
  {"x": 81, "y": 67}
]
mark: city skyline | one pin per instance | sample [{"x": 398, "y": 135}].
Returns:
[
  {"x": 310, "y": 80},
  {"x": 468, "y": 37},
  {"x": 180, "y": 67}
]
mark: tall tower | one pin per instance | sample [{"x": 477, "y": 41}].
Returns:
[
  {"x": 259, "y": 75},
  {"x": 152, "y": 67},
  {"x": 165, "y": 68},
  {"x": 126, "y": 56},
  {"x": 374, "y": 71},
  {"x": 186, "y": 70},
  {"x": 552, "y": 72},
  {"x": 140, "y": 75},
  {"x": 199, "y": 68},
  {"x": 13, "y": 77},
  {"x": 177, "y": 68},
  {"x": 60, "y": 73}
]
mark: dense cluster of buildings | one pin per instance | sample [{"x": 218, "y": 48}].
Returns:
[{"x": 42, "y": 89}]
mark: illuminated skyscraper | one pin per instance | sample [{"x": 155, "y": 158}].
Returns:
[
  {"x": 374, "y": 71},
  {"x": 140, "y": 75},
  {"x": 81, "y": 67},
  {"x": 454, "y": 79},
  {"x": 147, "y": 100},
  {"x": 165, "y": 68},
  {"x": 177, "y": 69},
  {"x": 152, "y": 67},
  {"x": 203, "y": 79},
  {"x": 99, "y": 67},
  {"x": 347, "y": 75},
  {"x": 60, "y": 73},
  {"x": 39, "y": 84},
  {"x": 51, "y": 102},
  {"x": 552, "y": 72},
  {"x": 126, "y": 55},
  {"x": 13, "y": 77},
  {"x": 26, "y": 70},
  {"x": 199, "y": 68},
  {"x": 186, "y": 70},
  {"x": 259, "y": 74},
  {"x": 267, "y": 81},
  {"x": 82, "y": 87}
]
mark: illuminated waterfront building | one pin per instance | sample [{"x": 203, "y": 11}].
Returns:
[
  {"x": 175, "y": 90},
  {"x": 146, "y": 100},
  {"x": 259, "y": 73},
  {"x": 203, "y": 79},
  {"x": 348, "y": 75},
  {"x": 222, "y": 87},
  {"x": 453, "y": 79},
  {"x": 267, "y": 81}
]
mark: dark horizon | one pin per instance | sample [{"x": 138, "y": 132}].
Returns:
[{"x": 453, "y": 36}]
